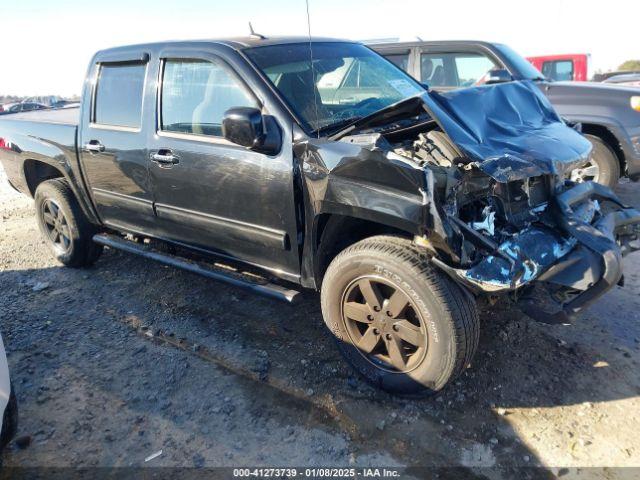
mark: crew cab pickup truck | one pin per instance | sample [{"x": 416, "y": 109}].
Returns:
[
  {"x": 403, "y": 206},
  {"x": 609, "y": 115}
]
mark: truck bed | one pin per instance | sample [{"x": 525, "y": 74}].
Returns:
[
  {"x": 65, "y": 116},
  {"x": 46, "y": 136}
]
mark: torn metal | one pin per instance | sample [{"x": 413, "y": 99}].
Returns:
[{"x": 480, "y": 175}]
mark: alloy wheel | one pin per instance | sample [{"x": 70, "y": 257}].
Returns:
[
  {"x": 589, "y": 172},
  {"x": 56, "y": 225},
  {"x": 384, "y": 325}
]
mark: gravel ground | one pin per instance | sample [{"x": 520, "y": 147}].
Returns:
[{"x": 114, "y": 363}]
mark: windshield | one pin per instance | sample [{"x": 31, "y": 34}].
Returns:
[
  {"x": 522, "y": 66},
  {"x": 348, "y": 81}
]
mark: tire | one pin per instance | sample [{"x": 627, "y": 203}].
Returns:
[
  {"x": 606, "y": 160},
  {"x": 75, "y": 247},
  {"x": 440, "y": 317},
  {"x": 9, "y": 420}
]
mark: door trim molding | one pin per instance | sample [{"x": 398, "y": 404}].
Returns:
[
  {"x": 246, "y": 232},
  {"x": 127, "y": 201}
]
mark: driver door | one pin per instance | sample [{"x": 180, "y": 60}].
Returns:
[{"x": 208, "y": 192}]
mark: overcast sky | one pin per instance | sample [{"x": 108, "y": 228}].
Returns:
[{"x": 45, "y": 45}]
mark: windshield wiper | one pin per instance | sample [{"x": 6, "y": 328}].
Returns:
[{"x": 388, "y": 113}]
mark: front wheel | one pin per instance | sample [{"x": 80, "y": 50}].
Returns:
[
  {"x": 603, "y": 166},
  {"x": 402, "y": 324}
]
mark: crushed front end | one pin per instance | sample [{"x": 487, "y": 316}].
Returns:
[
  {"x": 557, "y": 255},
  {"x": 505, "y": 219}
]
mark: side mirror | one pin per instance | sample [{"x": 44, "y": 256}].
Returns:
[
  {"x": 498, "y": 75},
  {"x": 247, "y": 126}
]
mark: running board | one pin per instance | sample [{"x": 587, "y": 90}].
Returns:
[{"x": 267, "y": 289}]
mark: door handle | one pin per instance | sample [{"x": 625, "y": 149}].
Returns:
[
  {"x": 164, "y": 158},
  {"x": 94, "y": 146}
]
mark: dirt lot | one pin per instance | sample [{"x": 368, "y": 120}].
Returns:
[{"x": 114, "y": 363}]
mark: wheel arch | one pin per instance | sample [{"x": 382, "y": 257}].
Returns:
[
  {"x": 36, "y": 171},
  {"x": 335, "y": 232},
  {"x": 608, "y": 137}
]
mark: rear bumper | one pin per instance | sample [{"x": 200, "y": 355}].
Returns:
[{"x": 576, "y": 259}]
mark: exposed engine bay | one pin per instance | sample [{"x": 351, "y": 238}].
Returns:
[
  {"x": 496, "y": 209},
  {"x": 503, "y": 212}
]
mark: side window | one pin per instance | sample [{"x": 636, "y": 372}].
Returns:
[
  {"x": 196, "y": 94},
  {"x": 454, "y": 70},
  {"x": 331, "y": 81},
  {"x": 558, "y": 69},
  {"x": 361, "y": 75},
  {"x": 432, "y": 70},
  {"x": 564, "y": 70},
  {"x": 353, "y": 76},
  {"x": 472, "y": 67},
  {"x": 119, "y": 92},
  {"x": 547, "y": 69},
  {"x": 400, "y": 59}
]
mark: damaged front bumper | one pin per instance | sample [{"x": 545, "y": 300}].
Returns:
[{"x": 575, "y": 258}]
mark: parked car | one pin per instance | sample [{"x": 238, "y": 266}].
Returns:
[
  {"x": 629, "y": 79},
  {"x": 572, "y": 66},
  {"x": 601, "y": 77},
  {"x": 6, "y": 106},
  {"x": 8, "y": 403},
  {"x": 606, "y": 112},
  {"x": 401, "y": 205},
  {"x": 24, "y": 107},
  {"x": 46, "y": 100}
]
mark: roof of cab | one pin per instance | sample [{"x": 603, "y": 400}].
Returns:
[{"x": 237, "y": 43}]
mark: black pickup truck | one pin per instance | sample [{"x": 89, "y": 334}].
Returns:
[
  {"x": 609, "y": 114},
  {"x": 401, "y": 205}
]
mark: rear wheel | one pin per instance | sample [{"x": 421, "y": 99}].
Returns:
[
  {"x": 603, "y": 166},
  {"x": 403, "y": 325},
  {"x": 63, "y": 225}
]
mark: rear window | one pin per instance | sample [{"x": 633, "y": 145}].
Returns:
[{"x": 119, "y": 95}]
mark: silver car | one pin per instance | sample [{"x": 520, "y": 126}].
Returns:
[{"x": 8, "y": 405}]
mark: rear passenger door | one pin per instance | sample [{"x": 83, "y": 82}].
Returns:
[
  {"x": 210, "y": 193},
  {"x": 112, "y": 144}
]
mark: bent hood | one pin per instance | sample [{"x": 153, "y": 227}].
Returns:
[{"x": 510, "y": 129}]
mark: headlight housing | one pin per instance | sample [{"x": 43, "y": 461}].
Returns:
[{"x": 635, "y": 103}]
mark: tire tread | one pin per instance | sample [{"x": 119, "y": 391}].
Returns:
[
  {"x": 86, "y": 252},
  {"x": 457, "y": 302}
]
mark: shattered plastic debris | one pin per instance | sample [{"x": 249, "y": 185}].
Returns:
[
  {"x": 542, "y": 249},
  {"x": 153, "y": 455},
  {"x": 38, "y": 287},
  {"x": 488, "y": 224}
]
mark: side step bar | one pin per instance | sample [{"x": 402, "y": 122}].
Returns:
[{"x": 267, "y": 289}]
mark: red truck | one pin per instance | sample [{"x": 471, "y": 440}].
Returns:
[{"x": 572, "y": 66}]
